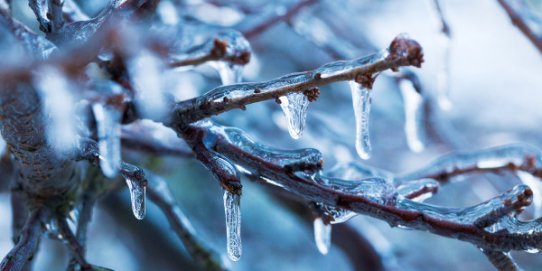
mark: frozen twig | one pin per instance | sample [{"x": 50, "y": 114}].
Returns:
[
  {"x": 520, "y": 23},
  {"x": 402, "y": 52},
  {"x": 218, "y": 51}
]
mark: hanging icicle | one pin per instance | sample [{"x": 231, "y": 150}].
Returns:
[
  {"x": 412, "y": 103},
  {"x": 108, "y": 127},
  {"x": 232, "y": 209},
  {"x": 322, "y": 235},
  {"x": 361, "y": 100},
  {"x": 294, "y": 105},
  {"x": 137, "y": 196}
]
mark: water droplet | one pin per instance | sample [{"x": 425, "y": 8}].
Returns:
[
  {"x": 232, "y": 209},
  {"x": 108, "y": 126},
  {"x": 412, "y": 104},
  {"x": 294, "y": 106},
  {"x": 361, "y": 100},
  {"x": 322, "y": 235},
  {"x": 137, "y": 196}
]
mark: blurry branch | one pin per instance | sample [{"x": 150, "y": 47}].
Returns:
[
  {"x": 402, "y": 52},
  {"x": 265, "y": 25},
  {"x": 444, "y": 27},
  {"x": 160, "y": 194},
  {"x": 74, "y": 246},
  {"x": 219, "y": 51},
  {"x": 501, "y": 260},
  {"x": 28, "y": 242},
  {"x": 134, "y": 141},
  {"x": 500, "y": 159},
  {"x": 520, "y": 22}
]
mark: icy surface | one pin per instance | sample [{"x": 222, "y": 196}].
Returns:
[
  {"x": 322, "y": 235},
  {"x": 294, "y": 105},
  {"x": 229, "y": 73},
  {"x": 108, "y": 125},
  {"x": 361, "y": 100},
  {"x": 232, "y": 209}
]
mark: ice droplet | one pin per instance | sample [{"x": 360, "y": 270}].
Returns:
[
  {"x": 232, "y": 209},
  {"x": 137, "y": 196},
  {"x": 322, "y": 235},
  {"x": 294, "y": 106},
  {"x": 412, "y": 101},
  {"x": 108, "y": 127},
  {"x": 361, "y": 100},
  {"x": 229, "y": 73}
]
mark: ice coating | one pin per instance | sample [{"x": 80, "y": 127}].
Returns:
[
  {"x": 232, "y": 210},
  {"x": 294, "y": 105},
  {"x": 361, "y": 101},
  {"x": 108, "y": 129},
  {"x": 229, "y": 73}
]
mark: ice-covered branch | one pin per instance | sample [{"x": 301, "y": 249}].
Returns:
[
  {"x": 402, "y": 52},
  {"x": 28, "y": 242},
  {"x": 497, "y": 159},
  {"x": 519, "y": 20},
  {"x": 218, "y": 49},
  {"x": 490, "y": 225}
]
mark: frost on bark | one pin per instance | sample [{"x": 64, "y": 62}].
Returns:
[{"x": 72, "y": 99}]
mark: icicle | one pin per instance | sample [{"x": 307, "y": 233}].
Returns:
[
  {"x": 294, "y": 106},
  {"x": 232, "y": 209},
  {"x": 229, "y": 73},
  {"x": 361, "y": 100},
  {"x": 412, "y": 104},
  {"x": 322, "y": 235},
  {"x": 137, "y": 196},
  {"x": 443, "y": 72},
  {"x": 2, "y": 146},
  {"x": 108, "y": 126}
]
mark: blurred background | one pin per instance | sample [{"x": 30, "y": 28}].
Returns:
[{"x": 495, "y": 89}]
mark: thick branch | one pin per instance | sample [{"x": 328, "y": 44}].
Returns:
[{"x": 376, "y": 198}]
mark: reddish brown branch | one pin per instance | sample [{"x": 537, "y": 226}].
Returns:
[{"x": 520, "y": 23}]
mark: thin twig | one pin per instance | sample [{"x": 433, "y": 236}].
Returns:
[
  {"x": 520, "y": 23},
  {"x": 265, "y": 25},
  {"x": 28, "y": 243},
  {"x": 160, "y": 194}
]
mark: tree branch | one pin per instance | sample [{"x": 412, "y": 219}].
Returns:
[
  {"x": 402, "y": 52},
  {"x": 28, "y": 243},
  {"x": 520, "y": 23}
]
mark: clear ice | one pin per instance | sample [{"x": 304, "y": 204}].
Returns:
[
  {"x": 108, "y": 125},
  {"x": 232, "y": 209},
  {"x": 294, "y": 105},
  {"x": 229, "y": 73},
  {"x": 361, "y": 100},
  {"x": 137, "y": 197}
]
